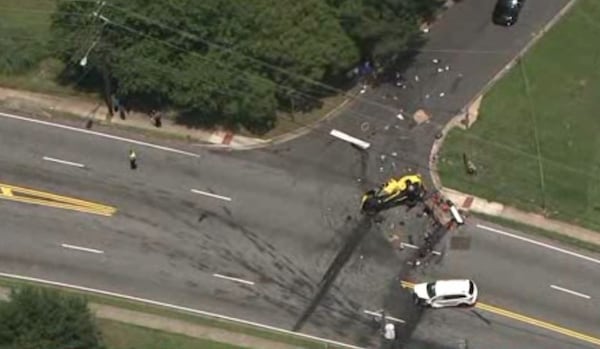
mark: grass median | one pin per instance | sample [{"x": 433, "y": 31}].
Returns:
[
  {"x": 536, "y": 144},
  {"x": 232, "y": 326},
  {"x": 118, "y": 335}
]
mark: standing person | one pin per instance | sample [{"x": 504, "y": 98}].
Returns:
[{"x": 132, "y": 159}]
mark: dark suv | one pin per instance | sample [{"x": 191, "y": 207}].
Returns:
[{"x": 506, "y": 12}]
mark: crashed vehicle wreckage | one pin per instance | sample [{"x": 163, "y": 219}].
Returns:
[{"x": 408, "y": 190}]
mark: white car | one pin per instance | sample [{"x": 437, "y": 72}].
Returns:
[{"x": 446, "y": 293}]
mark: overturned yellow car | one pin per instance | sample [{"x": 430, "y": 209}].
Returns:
[{"x": 408, "y": 190}]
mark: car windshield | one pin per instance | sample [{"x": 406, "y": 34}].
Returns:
[
  {"x": 508, "y": 4},
  {"x": 431, "y": 289},
  {"x": 471, "y": 287}
]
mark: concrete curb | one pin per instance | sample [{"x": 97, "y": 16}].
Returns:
[{"x": 457, "y": 120}]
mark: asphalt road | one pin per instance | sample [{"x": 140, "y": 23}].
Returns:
[
  {"x": 280, "y": 230},
  {"x": 291, "y": 225},
  {"x": 287, "y": 232},
  {"x": 532, "y": 280},
  {"x": 473, "y": 48}
]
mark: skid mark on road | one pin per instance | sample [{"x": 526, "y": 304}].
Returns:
[{"x": 335, "y": 267}]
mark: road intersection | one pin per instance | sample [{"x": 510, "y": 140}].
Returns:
[{"x": 256, "y": 235}]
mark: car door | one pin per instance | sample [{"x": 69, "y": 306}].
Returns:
[{"x": 449, "y": 300}]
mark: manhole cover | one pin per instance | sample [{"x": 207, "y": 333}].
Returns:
[{"x": 460, "y": 242}]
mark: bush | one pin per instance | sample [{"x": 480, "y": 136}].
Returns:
[
  {"x": 19, "y": 51},
  {"x": 41, "y": 319}
]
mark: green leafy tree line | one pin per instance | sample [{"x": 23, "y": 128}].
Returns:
[
  {"x": 36, "y": 318},
  {"x": 232, "y": 62}
]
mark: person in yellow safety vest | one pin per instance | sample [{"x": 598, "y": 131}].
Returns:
[{"x": 132, "y": 159}]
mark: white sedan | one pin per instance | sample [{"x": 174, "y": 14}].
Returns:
[{"x": 446, "y": 293}]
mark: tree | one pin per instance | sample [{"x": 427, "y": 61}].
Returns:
[
  {"x": 40, "y": 319},
  {"x": 383, "y": 28},
  {"x": 218, "y": 61}
]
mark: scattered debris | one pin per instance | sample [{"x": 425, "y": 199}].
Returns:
[
  {"x": 447, "y": 68},
  {"x": 400, "y": 116},
  {"x": 427, "y": 96},
  {"x": 394, "y": 154},
  {"x": 435, "y": 61},
  {"x": 421, "y": 116},
  {"x": 416, "y": 78},
  {"x": 386, "y": 127},
  {"x": 382, "y": 157},
  {"x": 364, "y": 126},
  {"x": 381, "y": 169},
  {"x": 442, "y": 94},
  {"x": 439, "y": 70}
]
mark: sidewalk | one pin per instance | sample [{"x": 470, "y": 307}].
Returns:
[
  {"x": 43, "y": 105},
  {"x": 468, "y": 202},
  {"x": 172, "y": 325}
]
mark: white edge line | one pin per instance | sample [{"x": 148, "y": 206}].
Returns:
[
  {"x": 211, "y": 195},
  {"x": 100, "y": 134},
  {"x": 233, "y": 279},
  {"x": 387, "y": 317},
  {"x": 574, "y": 293},
  {"x": 64, "y": 162},
  {"x": 554, "y": 248},
  {"x": 346, "y": 137},
  {"x": 84, "y": 249},
  {"x": 177, "y": 307}
]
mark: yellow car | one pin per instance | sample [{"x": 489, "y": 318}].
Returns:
[{"x": 409, "y": 188}]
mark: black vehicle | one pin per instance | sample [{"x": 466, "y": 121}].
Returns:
[{"x": 507, "y": 12}]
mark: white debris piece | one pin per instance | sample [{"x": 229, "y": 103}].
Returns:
[
  {"x": 381, "y": 169},
  {"x": 382, "y": 157},
  {"x": 386, "y": 127},
  {"x": 427, "y": 96},
  {"x": 416, "y": 78},
  {"x": 447, "y": 68},
  {"x": 442, "y": 94},
  {"x": 435, "y": 61},
  {"x": 439, "y": 70},
  {"x": 400, "y": 116},
  {"x": 394, "y": 154}
]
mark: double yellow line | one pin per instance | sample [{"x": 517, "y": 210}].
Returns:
[
  {"x": 31, "y": 196},
  {"x": 528, "y": 320}
]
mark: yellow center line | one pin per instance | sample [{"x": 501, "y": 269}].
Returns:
[
  {"x": 528, "y": 320},
  {"x": 6, "y": 191},
  {"x": 45, "y": 195},
  {"x": 26, "y": 195}
]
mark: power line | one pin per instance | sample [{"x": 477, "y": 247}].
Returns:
[{"x": 426, "y": 167}]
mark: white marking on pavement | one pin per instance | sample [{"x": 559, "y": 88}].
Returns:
[
  {"x": 100, "y": 134},
  {"x": 233, "y": 279},
  {"x": 404, "y": 244},
  {"x": 387, "y": 317},
  {"x": 176, "y": 307},
  {"x": 211, "y": 195},
  {"x": 84, "y": 249},
  {"x": 346, "y": 137},
  {"x": 64, "y": 162},
  {"x": 531, "y": 241},
  {"x": 566, "y": 290}
]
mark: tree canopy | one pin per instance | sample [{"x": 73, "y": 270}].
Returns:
[
  {"x": 232, "y": 62},
  {"x": 40, "y": 319}
]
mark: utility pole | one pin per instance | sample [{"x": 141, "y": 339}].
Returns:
[{"x": 107, "y": 89}]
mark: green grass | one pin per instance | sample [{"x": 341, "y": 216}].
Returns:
[
  {"x": 563, "y": 75},
  {"x": 198, "y": 319},
  {"x": 31, "y": 21},
  {"x": 119, "y": 335}
]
